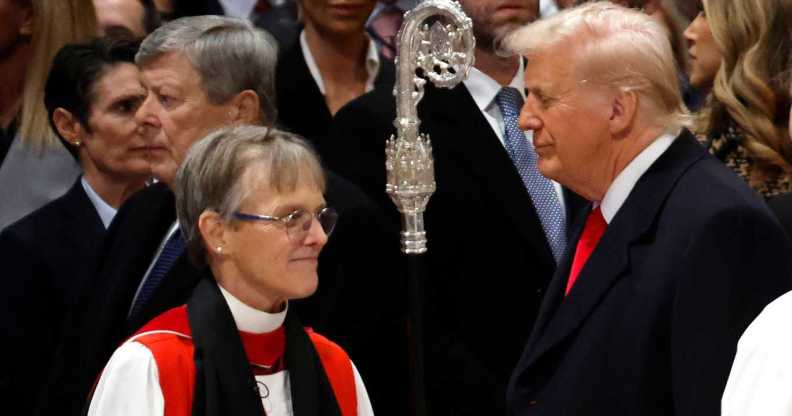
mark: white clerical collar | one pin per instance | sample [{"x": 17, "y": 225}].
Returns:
[
  {"x": 105, "y": 211},
  {"x": 238, "y": 8},
  {"x": 250, "y": 319},
  {"x": 625, "y": 181},
  {"x": 483, "y": 88},
  {"x": 372, "y": 63}
]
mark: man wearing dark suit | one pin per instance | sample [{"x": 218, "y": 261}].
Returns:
[
  {"x": 675, "y": 256},
  {"x": 143, "y": 271},
  {"x": 488, "y": 256}
]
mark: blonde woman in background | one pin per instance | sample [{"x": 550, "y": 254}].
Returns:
[
  {"x": 34, "y": 167},
  {"x": 762, "y": 369},
  {"x": 740, "y": 49}
]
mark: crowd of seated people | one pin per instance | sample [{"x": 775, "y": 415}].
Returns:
[{"x": 193, "y": 217}]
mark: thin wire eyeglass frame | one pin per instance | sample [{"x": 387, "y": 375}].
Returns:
[{"x": 295, "y": 228}]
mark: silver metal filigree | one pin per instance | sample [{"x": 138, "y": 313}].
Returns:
[{"x": 435, "y": 43}]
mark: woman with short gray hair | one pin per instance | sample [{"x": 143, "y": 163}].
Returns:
[{"x": 247, "y": 198}]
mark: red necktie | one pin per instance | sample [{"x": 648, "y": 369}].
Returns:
[{"x": 592, "y": 232}]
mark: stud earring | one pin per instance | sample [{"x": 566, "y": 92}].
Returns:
[
  {"x": 219, "y": 249},
  {"x": 77, "y": 143}
]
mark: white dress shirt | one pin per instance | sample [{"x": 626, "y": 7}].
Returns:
[
  {"x": 761, "y": 376},
  {"x": 484, "y": 90},
  {"x": 105, "y": 211},
  {"x": 244, "y": 8},
  {"x": 372, "y": 64},
  {"x": 547, "y": 8},
  {"x": 625, "y": 181},
  {"x": 238, "y": 8},
  {"x": 129, "y": 385}
]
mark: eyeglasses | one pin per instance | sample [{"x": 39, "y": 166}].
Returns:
[{"x": 298, "y": 222}]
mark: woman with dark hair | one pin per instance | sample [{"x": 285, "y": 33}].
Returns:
[{"x": 91, "y": 96}]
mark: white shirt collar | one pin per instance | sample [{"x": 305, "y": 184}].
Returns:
[
  {"x": 625, "y": 181},
  {"x": 372, "y": 64},
  {"x": 238, "y": 8},
  {"x": 547, "y": 8},
  {"x": 483, "y": 88},
  {"x": 105, "y": 211},
  {"x": 250, "y": 319}
]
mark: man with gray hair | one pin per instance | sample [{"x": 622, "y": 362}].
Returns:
[
  {"x": 201, "y": 73},
  {"x": 675, "y": 255}
]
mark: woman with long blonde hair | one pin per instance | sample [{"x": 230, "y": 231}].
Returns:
[
  {"x": 740, "y": 50},
  {"x": 34, "y": 166}
]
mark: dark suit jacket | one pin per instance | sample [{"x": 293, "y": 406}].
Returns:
[
  {"x": 99, "y": 326},
  {"x": 301, "y": 106},
  {"x": 46, "y": 256},
  {"x": 782, "y": 208},
  {"x": 652, "y": 323},
  {"x": 129, "y": 249},
  {"x": 488, "y": 262}
]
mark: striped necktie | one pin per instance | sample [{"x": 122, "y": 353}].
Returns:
[
  {"x": 542, "y": 191},
  {"x": 174, "y": 248}
]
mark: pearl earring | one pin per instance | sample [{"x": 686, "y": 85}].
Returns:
[{"x": 219, "y": 249}]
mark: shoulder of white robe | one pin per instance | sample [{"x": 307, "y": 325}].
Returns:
[{"x": 129, "y": 385}]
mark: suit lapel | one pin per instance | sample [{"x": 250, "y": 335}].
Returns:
[
  {"x": 83, "y": 216},
  {"x": 557, "y": 287},
  {"x": 472, "y": 139},
  {"x": 561, "y": 316}
]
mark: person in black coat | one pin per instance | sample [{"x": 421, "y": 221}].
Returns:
[
  {"x": 144, "y": 270},
  {"x": 675, "y": 256},
  {"x": 91, "y": 95},
  {"x": 328, "y": 63},
  {"x": 488, "y": 257}
]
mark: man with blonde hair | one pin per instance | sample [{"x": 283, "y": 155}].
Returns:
[{"x": 675, "y": 254}]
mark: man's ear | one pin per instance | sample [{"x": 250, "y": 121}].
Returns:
[
  {"x": 68, "y": 126},
  {"x": 213, "y": 232},
  {"x": 246, "y": 108},
  {"x": 624, "y": 106}
]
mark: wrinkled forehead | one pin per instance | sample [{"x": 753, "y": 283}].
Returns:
[
  {"x": 171, "y": 66},
  {"x": 551, "y": 65}
]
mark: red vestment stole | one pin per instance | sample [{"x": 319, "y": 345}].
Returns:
[{"x": 168, "y": 337}]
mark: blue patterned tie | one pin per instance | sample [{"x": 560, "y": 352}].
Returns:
[
  {"x": 541, "y": 189},
  {"x": 174, "y": 247}
]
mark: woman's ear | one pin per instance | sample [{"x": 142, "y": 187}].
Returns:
[
  {"x": 213, "y": 232},
  {"x": 68, "y": 126}
]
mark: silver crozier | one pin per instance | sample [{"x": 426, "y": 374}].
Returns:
[{"x": 435, "y": 43}]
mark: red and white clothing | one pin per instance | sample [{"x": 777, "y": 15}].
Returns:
[{"x": 153, "y": 373}]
